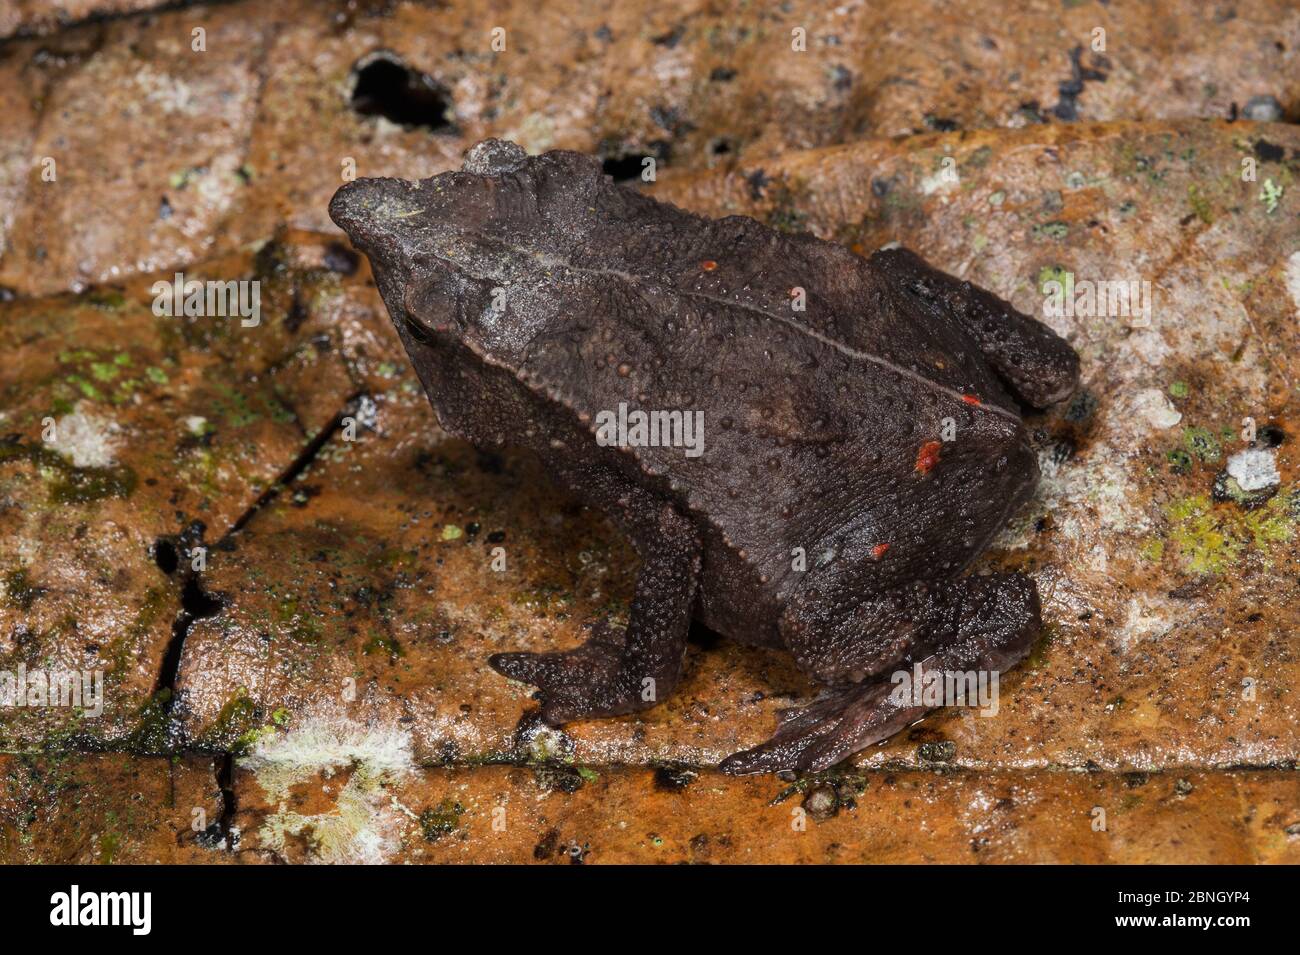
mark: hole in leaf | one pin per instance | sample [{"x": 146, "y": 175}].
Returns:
[
  {"x": 623, "y": 168},
  {"x": 387, "y": 87},
  {"x": 165, "y": 556}
]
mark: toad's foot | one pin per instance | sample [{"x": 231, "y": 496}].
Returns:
[
  {"x": 590, "y": 680},
  {"x": 819, "y": 735},
  {"x": 983, "y": 624},
  {"x": 624, "y": 670}
]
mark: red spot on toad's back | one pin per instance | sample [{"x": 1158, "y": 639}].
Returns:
[
  {"x": 708, "y": 265},
  {"x": 970, "y": 399},
  {"x": 927, "y": 457},
  {"x": 879, "y": 551}
]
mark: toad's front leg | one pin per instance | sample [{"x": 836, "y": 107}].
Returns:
[
  {"x": 984, "y": 623},
  {"x": 624, "y": 670}
]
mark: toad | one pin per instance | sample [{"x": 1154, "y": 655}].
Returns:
[{"x": 806, "y": 447}]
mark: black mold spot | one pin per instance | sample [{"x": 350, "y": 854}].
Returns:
[
  {"x": 1068, "y": 106},
  {"x": 546, "y": 846},
  {"x": 297, "y": 313},
  {"x": 387, "y": 87},
  {"x": 212, "y": 837},
  {"x": 1031, "y": 111},
  {"x": 1063, "y": 450},
  {"x": 722, "y": 74},
  {"x": 1268, "y": 152},
  {"x": 674, "y": 777},
  {"x": 671, "y": 38},
  {"x": 1226, "y": 489},
  {"x": 1081, "y": 407},
  {"x": 937, "y": 752},
  {"x": 670, "y": 120}
]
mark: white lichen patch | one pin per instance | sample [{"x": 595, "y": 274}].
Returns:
[
  {"x": 363, "y": 825},
  {"x": 1254, "y": 469},
  {"x": 1087, "y": 495},
  {"x": 1293, "y": 279},
  {"x": 1146, "y": 618},
  {"x": 86, "y": 439},
  {"x": 941, "y": 181},
  {"x": 1152, "y": 406}
]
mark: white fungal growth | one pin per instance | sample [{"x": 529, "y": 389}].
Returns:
[
  {"x": 1146, "y": 617},
  {"x": 363, "y": 825},
  {"x": 86, "y": 439},
  {"x": 944, "y": 180},
  {"x": 1293, "y": 279},
  {"x": 1254, "y": 469},
  {"x": 1151, "y": 406}
]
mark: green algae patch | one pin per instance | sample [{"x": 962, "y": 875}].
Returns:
[
  {"x": 1062, "y": 276},
  {"x": 1202, "y": 444},
  {"x": 153, "y": 725},
  {"x": 84, "y": 485},
  {"x": 440, "y": 821},
  {"x": 1180, "y": 461},
  {"x": 119, "y": 650},
  {"x": 1270, "y": 195},
  {"x": 1152, "y": 550},
  {"x": 383, "y": 643},
  {"x": 237, "y": 727},
  {"x": 19, "y": 591},
  {"x": 69, "y": 484},
  {"x": 1210, "y": 539},
  {"x": 1200, "y": 205},
  {"x": 296, "y": 624}
]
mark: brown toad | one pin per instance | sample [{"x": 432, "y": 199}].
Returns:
[{"x": 860, "y": 442}]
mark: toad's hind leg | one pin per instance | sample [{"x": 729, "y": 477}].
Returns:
[
  {"x": 1038, "y": 364},
  {"x": 624, "y": 670},
  {"x": 983, "y": 624}
]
